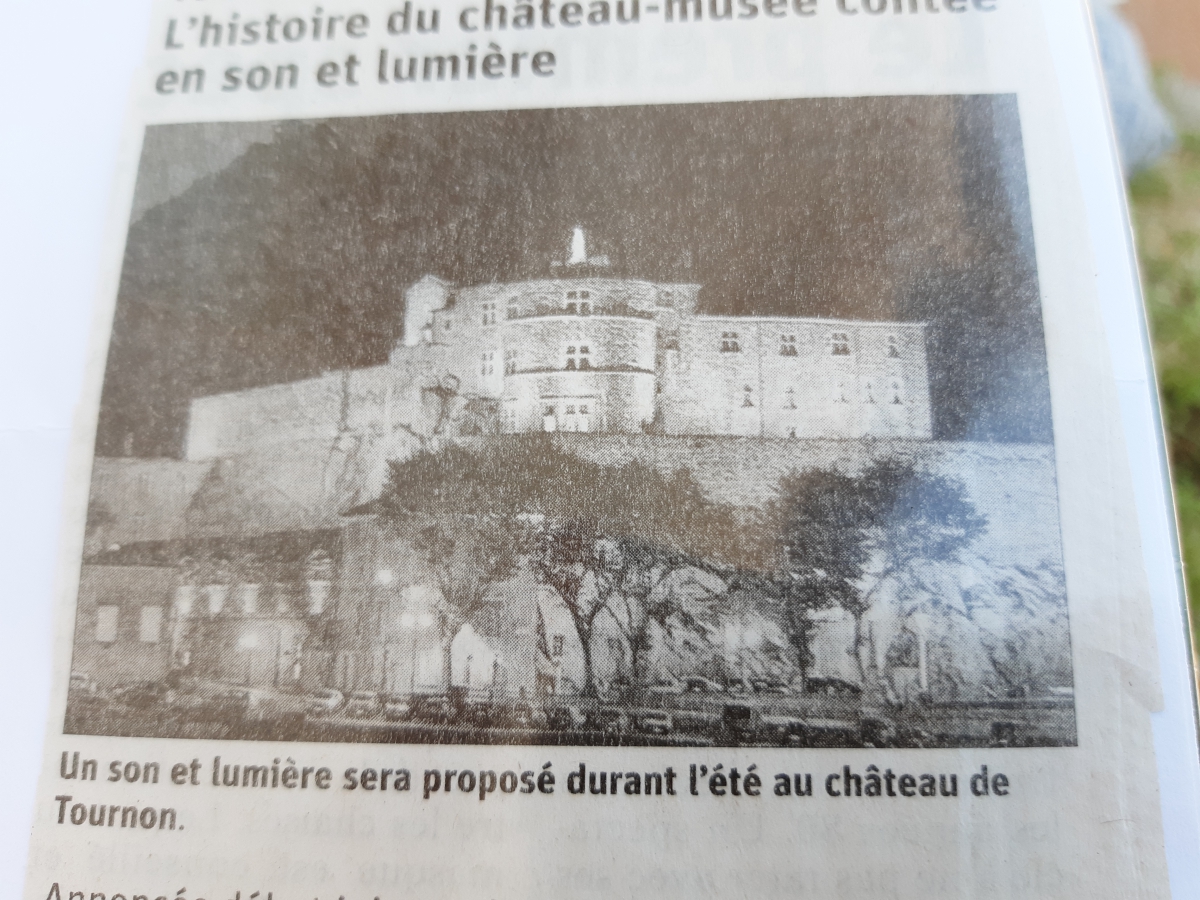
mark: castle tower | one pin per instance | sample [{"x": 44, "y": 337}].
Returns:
[{"x": 420, "y": 300}]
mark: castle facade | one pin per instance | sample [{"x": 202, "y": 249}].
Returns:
[{"x": 585, "y": 351}]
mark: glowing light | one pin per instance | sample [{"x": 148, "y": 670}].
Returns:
[
  {"x": 578, "y": 248},
  {"x": 384, "y": 576}
]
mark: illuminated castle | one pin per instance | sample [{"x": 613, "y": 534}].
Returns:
[{"x": 584, "y": 351}]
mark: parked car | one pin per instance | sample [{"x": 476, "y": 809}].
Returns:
[
  {"x": 788, "y": 731},
  {"x": 396, "y": 708},
  {"x": 565, "y": 717},
  {"x": 698, "y": 684},
  {"x": 664, "y": 687},
  {"x": 771, "y": 687},
  {"x": 363, "y": 704},
  {"x": 609, "y": 719},
  {"x": 655, "y": 722},
  {"x": 741, "y": 718},
  {"x": 432, "y": 708},
  {"x": 142, "y": 694},
  {"x": 325, "y": 701},
  {"x": 832, "y": 687}
]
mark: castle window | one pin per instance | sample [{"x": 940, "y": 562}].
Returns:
[
  {"x": 548, "y": 411},
  {"x": 510, "y": 362},
  {"x": 572, "y": 295},
  {"x": 585, "y": 309},
  {"x": 791, "y": 432},
  {"x": 893, "y": 347},
  {"x": 150, "y": 624},
  {"x": 557, "y": 648},
  {"x": 841, "y": 392},
  {"x": 583, "y": 410},
  {"x": 585, "y": 361},
  {"x": 729, "y": 342},
  {"x": 570, "y": 410},
  {"x": 513, "y": 312},
  {"x": 789, "y": 399},
  {"x": 748, "y": 396},
  {"x": 868, "y": 391},
  {"x": 489, "y": 314},
  {"x": 584, "y": 295},
  {"x": 896, "y": 391},
  {"x": 488, "y": 365},
  {"x": 571, "y": 359},
  {"x": 571, "y": 308},
  {"x": 106, "y": 623},
  {"x": 446, "y": 325},
  {"x": 839, "y": 343},
  {"x": 787, "y": 345}
]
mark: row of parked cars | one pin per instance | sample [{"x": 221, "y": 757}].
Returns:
[
  {"x": 725, "y": 716},
  {"x": 437, "y": 709}
]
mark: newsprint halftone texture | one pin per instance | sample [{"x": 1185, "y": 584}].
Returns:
[{"x": 721, "y": 424}]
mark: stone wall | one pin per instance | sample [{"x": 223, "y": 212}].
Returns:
[{"x": 1014, "y": 485}]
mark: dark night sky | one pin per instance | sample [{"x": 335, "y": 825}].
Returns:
[{"x": 292, "y": 259}]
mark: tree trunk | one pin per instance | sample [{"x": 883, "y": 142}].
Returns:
[
  {"x": 449, "y": 632},
  {"x": 589, "y": 679},
  {"x": 857, "y": 646},
  {"x": 639, "y": 652}
]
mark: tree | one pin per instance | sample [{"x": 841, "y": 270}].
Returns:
[
  {"x": 650, "y": 591},
  {"x": 821, "y": 522},
  {"x": 592, "y": 533},
  {"x": 449, "y": 506},
  {"x": 837, "y": 531}
]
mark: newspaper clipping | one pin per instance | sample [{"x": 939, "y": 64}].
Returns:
[{"x": 598, "y": 448}]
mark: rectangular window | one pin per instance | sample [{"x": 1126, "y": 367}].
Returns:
[
  {"x": 106, "y": 623},
  {"x": 510, "y": 362},
  {"x": 787, "y": 345},
  {"x": 488, "y": 366},
  {"x": 893, "y": 347},
  {"x": 489, "y": 313},
  {"x": 839, "y": 343},
  {"x": 150, "y": 624},
  {"x": 558, "y": 645},
  {"x": 729, "y": 342}
]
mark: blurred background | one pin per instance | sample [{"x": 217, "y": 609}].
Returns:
[{"x": 1151, "y": 54}]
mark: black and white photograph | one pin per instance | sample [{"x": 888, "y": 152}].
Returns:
[{"x": 719, "y": 424}]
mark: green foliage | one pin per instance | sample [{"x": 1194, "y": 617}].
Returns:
[{"x": 1166, "y": 213}]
